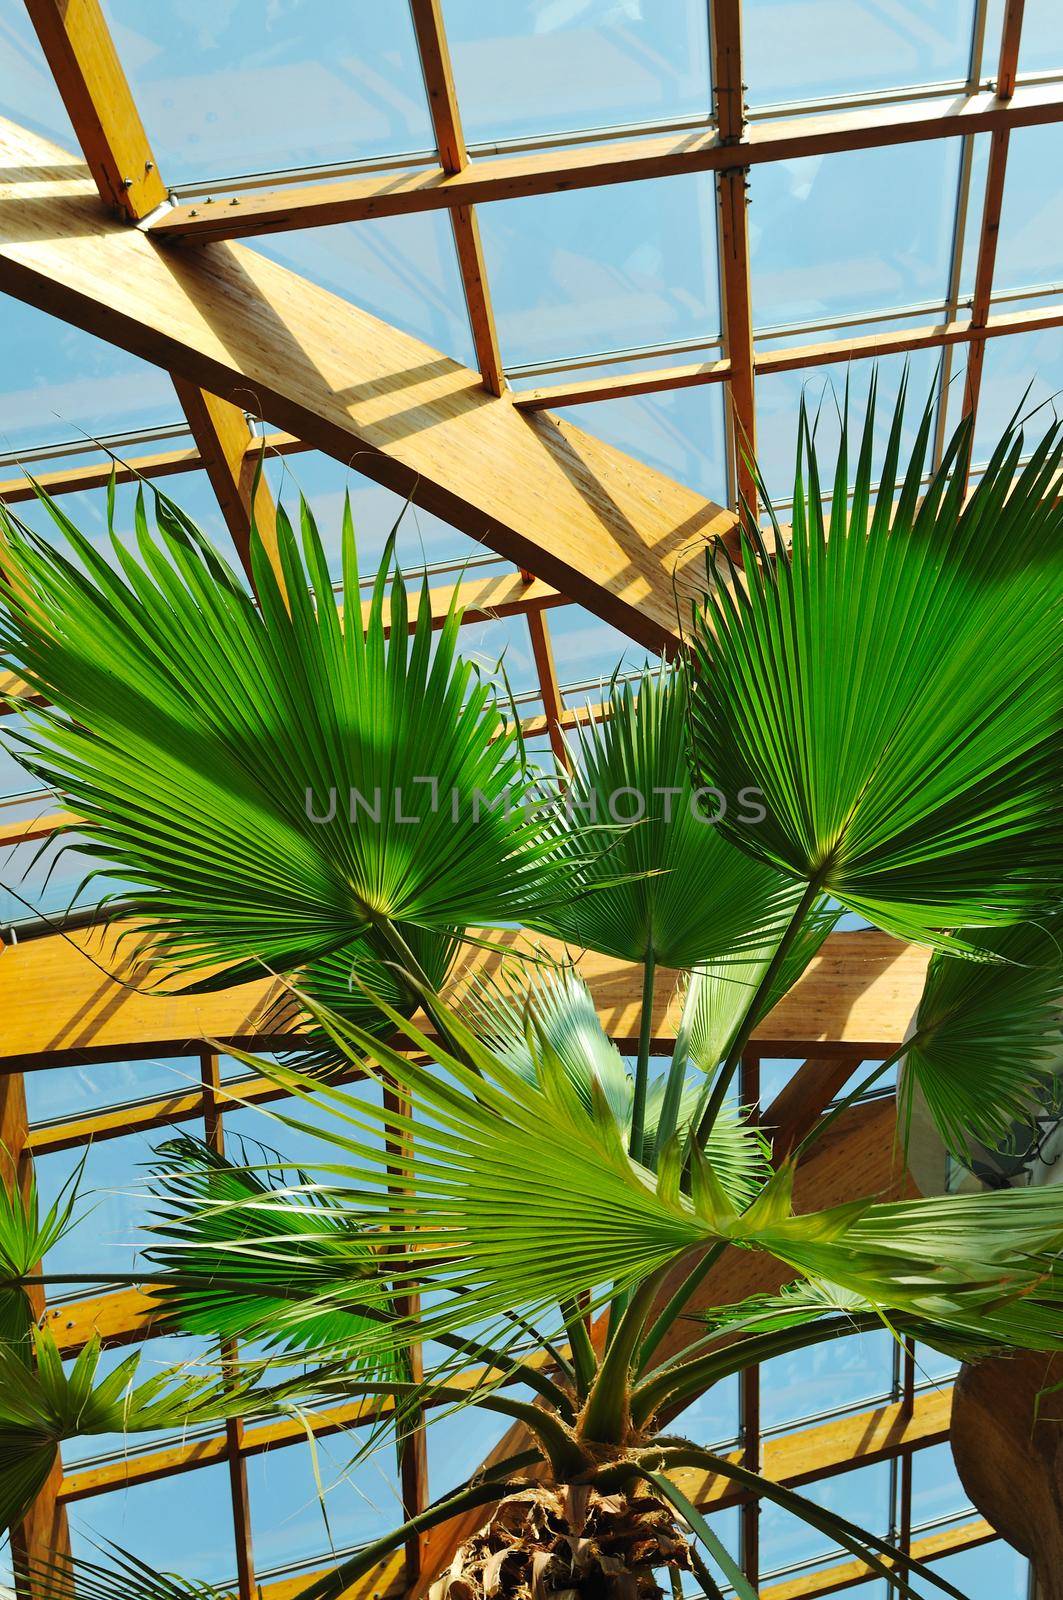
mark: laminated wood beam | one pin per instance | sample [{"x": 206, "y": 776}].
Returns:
[
  {"x": 80, "y": 51},
  {"x": 509, "y": 177},
  {"x": 854, "y": 1001},
  {"x": 586, "y": 518}
]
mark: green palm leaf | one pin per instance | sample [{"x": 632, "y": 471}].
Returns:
[
  {"x": 25, "y": 1239},
  {"x": 669, "y": 886},
  {"x": 469, "y": 1215},
  {"x": 199, "y": 734},
  {"x": 554, "y": 1012},
  {"x": 989, "y": 1034},
  {"x": 41, "y": 1404},
  {"x": 252, "y": 1248},
  {"x": 894, "y": 689}
]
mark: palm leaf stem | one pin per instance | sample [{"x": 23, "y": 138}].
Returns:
[
  {"x": 566, "y": 1458},
  {"x": 584, "y": 1355},
  {"x": 642, "y": 1064},
  {"x": 670, "y": 1313},
  {"x": 858, "y": 1541},
  {"x": 819, "y": 1128},
  {"x": 760, "y": 994},
  {"x": 605, "y": 1415}
]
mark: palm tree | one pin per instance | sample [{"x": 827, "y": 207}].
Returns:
[{"x": 879, "y": 713}]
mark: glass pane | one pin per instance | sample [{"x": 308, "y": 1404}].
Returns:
[
  {"x": 779, "y": 397},
  {"x": 679, "y": 431},
  {"x": 402, "y": 269},
  {"x": 1029, "y": 251},
  {"x": 28, "y": 94},
  {"x": 862, "y": 1496},
  {"x": 712, "y": 1419},
  {"x": 43, "y": 878},
  {"x": 421, "y": 538},
  {"x": 291, "y": 1497},
  {"x": 603, "y": 269},
  {"x": 1041, "y": 49},
  {"x": 1023, "y": 362},
  {"x": 937, "y": 1492},
  {"x": 586, "y": 648},
  {"x": 828, "y": 1377},
  {"x": 864, "y": 231},
  {"x": 460, "y": 1442},
  {"x": 114, "y": 1207},
  {"x": 871, "y": 46},
  {"x": 178, "y": 1524},
  {"x": 75, "y": 1091},
  {"x": 549, "y": 66},
  {"x": 60, "y": 383},
  {"x": 239, "y": 88},
  {"x": 991, "y": 1572}
]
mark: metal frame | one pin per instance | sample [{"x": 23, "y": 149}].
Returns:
[{"x": 90, "y": 77}]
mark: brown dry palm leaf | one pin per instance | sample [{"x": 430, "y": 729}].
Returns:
[{"x": 567, "y": 1542}]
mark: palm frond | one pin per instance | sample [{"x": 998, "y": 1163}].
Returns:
[
  {"x": 667, "y": 884},
  {"x": 41, "y": 1404},
  {"x": 272, "y": 779},
  {"x": 989, "y": 1034},
  {"x": 893, "y": 690}
]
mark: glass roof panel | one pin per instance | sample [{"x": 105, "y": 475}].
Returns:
[
  {"x": 232, "y": 88},
  {"x": 402, "y": 269},
  {"x": 871, "y": 46},
  {"x": 550, "y": 66},
  {"x": 861, "y": 1495},
  {"x": 59, "y": 383},
  {"x": 987, "y": 1573},
  {"x": 28, "y": 94},
  {"x": 1030, "y": 243},
  {"x": 865, "y": 230},
  {"x": 290, "y": 1526},
  {"x": 1022, "y": 370},
  {"x": 421, "y": 538},
  {"x": 153, "y": 1521},
  {"x": 779, "y": 397},
  {"x": 1041, "y": 49},
  {"x": 679, "y": 431},
  {"x": 603, "y": 269}
]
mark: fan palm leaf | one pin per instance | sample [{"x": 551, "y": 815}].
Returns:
[
  {"x": 894, "y": 689},
  {"x": 273, "y": 782},
  {"x": 989, "y": 1034}
]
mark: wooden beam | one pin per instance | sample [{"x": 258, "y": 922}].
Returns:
[
  {"x": 510, "y": 177},
  {"x": 43, "y": 1532},
  {"x": 792, "y": 358},
  {"x": 227, "y": 451},
  {"x": 88, "y": 74},
  {"x": 844, "y": 1576},
  {"x": 733, "y": 211},
  {"x": 854, "y": 1001},
  {"x": 454, "y": 157},
  {"x": 158, "y": 464},
  {"x": 586, "y": 518},
  {"x": 991, "y": 207},
  {"x": 81, "y": 53}
]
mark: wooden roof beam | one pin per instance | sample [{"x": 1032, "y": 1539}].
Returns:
[
  {"x": 510, "y": 177},
  {"x": 791, "y": 358},
  {"x": 88, "y": 73},
  {"x": 588, "y": 519},
  {"x": 454, "y": 157},
  {"x": 735, "y": 292},
  {"x": 854, "y": 1001}
]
